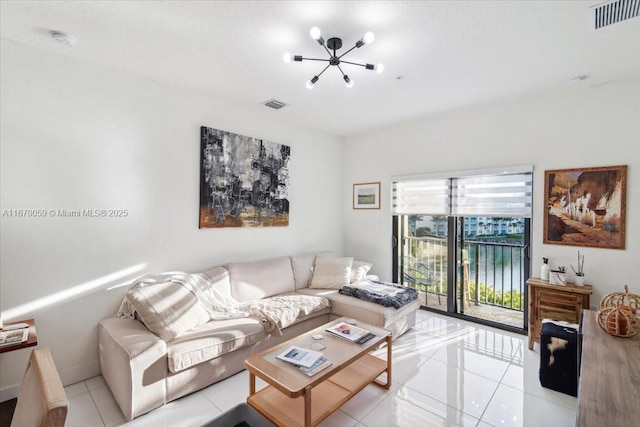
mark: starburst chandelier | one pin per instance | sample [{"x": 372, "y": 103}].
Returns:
[{"x": 335, "y": 59}]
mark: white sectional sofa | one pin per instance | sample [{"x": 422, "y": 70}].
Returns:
[{"x": 145, "y": 371}]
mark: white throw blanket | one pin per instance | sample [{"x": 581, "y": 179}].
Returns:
[
  {"x": 217, "y": 305},
  {"x": 274, "y": 313},
  {"x": 286, "y": 309}
]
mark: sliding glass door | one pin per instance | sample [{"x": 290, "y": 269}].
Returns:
[
  {"x": 478, "y": 270},
  {"x": 469, "y": 256},
  {"x": 422, "y": 257},
  {"x": 494, "y": 265}
]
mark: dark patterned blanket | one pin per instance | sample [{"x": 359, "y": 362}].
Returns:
[{"x": 401, "y": 299}]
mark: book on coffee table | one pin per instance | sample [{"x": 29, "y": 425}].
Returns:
[
  {"x": 300, "y": 356},
  {"x": 15, "y": 336},
  {"x": 351, "y": 333}
]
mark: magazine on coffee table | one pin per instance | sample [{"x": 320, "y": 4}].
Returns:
[
  {"x": 300, "y": 356},
  {"x": 351, "y": 333},
  {"x": 320, "y": 365}
]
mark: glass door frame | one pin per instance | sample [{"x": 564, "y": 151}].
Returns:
[{"x": 454, "y": 271}]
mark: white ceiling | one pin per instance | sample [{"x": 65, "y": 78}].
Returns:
[{"x": 438, "y": 55}]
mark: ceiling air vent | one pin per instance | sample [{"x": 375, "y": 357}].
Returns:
[
  {"x": 275, "y": 104},
  {"x": 612, "y": 12}
]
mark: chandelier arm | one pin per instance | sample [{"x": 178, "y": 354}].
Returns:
[
  {"x": 347, "y": 52},
  {"x": 353, "y": 63},
  {"x": 327, "y": 49},
  {"x": 325, "y": 69},
  {"x": 316, "y": 59},
  {"x": 340, "y": 68}
]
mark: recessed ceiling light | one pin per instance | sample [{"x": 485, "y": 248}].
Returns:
[
  {"x": 63, "y": 38},
  {"x": 577, "y": 80}
]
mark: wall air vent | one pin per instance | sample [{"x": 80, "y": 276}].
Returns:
[
  {"x": 275, "y": 104},
  {"x": 612, "y": 12}
]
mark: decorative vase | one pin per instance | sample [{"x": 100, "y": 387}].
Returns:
[{"x": 578, "y": 280}]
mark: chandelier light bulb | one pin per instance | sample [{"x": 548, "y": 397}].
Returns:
[
  {"x": 369, "y": 37},
  {"x": 312, "y": 82},
  {"x": 379, "y": 68},
  {"x": 348, "y": 81},
  {"x": 315, "y": 33},
  {"x": 287, "y": 57}
]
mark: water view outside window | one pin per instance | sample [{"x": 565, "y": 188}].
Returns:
[{"x": 490, "y": 262}]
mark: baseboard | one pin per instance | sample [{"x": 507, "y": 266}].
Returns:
[
  {"x": 67, "y": 377},
  {"x": 9, "y": 393},
  {"x": 80, "y": 373}
]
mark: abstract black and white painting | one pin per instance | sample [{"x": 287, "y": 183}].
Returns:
[{"x": 244, "y": 181}]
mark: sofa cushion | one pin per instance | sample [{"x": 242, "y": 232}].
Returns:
[
  {"x": 260, "y": 279},
  {"x": 219, "y": 279},
  {"x": 359, "y": 270},
  {"x": 211, "y": 340},
  {"x": 302, "y": 265},
  {"x": 167, "y": 309},
  {"x": 331, "y": 272}
]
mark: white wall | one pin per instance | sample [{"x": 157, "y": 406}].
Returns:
[
  {"x": 76, "y": 136},
  {"x": 574, "y": 127}
]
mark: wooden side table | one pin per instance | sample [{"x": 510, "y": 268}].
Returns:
[
  {"x": 556, "y": 302},
  {"x": 32, "y": 341}
]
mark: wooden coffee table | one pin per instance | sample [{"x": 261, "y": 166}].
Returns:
[{"x": 294, "y": 399}]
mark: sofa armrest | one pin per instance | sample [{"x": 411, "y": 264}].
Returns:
[{"x": 133, "y": 362}]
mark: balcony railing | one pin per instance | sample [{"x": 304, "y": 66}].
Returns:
[{"x": 493, "y": 272}]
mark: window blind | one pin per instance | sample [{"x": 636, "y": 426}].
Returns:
[
  {"x": 420, "y": 197},
  {"x": 498, "y": 192},
  {"x": 506, "y": 195}
]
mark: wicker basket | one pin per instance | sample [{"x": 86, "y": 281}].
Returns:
[
  {"x": 618, "y": 321},
  {"x": 618, "y": 299}
]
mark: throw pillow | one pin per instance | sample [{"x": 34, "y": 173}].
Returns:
[
  {"x": 331, "y": 272},
  {"x": 359, "y": 270},
  {"x": 167, "y": 309},
  {"x": 303, "y": 267}
]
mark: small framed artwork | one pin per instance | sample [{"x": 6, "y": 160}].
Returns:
[
  {"x": 366, "y": 195},
  {"x": 586, "y": 207}
]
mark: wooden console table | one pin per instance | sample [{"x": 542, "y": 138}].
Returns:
[
  {"x": 555, "y": 302},
  {"x": 30, "y": 342},
  {"x": 608, "y": 394}
]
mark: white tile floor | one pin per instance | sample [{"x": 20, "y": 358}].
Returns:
[{"x": 446, "y": 372}]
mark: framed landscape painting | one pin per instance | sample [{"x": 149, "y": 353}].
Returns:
[
  {"x": 366, "y": 195},
  {"x": 586, "y": 207}
]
